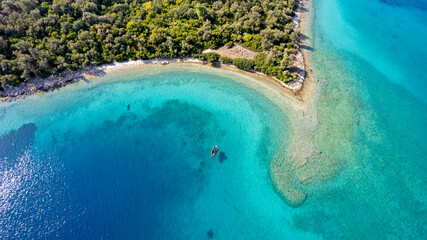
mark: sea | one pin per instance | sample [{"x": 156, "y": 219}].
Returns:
[
  {"x": 369, "y": 59},
  {"x": 126, "y": 155}
]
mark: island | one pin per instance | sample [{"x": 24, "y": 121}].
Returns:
[{"x": 61, "y": 39}]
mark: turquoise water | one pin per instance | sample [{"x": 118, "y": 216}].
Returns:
[
  {"x": 389, "y": 35},
  {"x": 370, "y": 60},
  {"x": 127, "y": 156}
]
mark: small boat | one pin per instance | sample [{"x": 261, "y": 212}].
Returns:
[{"x": 214, "y": 150}]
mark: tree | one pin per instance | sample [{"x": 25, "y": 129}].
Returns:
[
  {"x": 210, "y": 57},
  {"x": 202, "y": 12},
  {"x": 243, "y": 63},
  {"x": 295, "y": 36},
  {"x": 247, "y": 37},
  {"x": 132, "y": 26},
  {"x": 224, "y": 59},
  {"x": 260, "y": 61}
]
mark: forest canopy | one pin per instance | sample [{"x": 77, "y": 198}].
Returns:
[{"x": 45, "y": 37}]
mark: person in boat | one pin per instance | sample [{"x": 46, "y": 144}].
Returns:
[{"x": 214, "y": 151}]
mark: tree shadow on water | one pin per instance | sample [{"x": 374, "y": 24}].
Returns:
[
  {"x": 303, "y": 36},
  {"x": 306, "y": 47}
]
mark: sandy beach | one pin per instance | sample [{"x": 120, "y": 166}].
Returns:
[{"x": 39, "y": 84}]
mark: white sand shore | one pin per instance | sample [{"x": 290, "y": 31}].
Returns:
[
  {"x": 151, "y": 61},
  {"x": 52, "y": 82}
]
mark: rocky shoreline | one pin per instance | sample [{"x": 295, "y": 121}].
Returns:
[
  {"x": 41, "y": 84},
  {"x": 46, "y": 84},
  {"x": 299, "y": 61}
]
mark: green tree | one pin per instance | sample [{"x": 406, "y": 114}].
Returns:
[
  {"x": 260, "y": 61},
  {"x": 224, "y": 59},
  {"x": 243, "y": 63},
  {"x": 133, "y": 26}
]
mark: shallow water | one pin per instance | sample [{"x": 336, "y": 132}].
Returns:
[{"x": 369, "y": 58}]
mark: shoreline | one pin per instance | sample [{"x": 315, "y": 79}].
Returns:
[
  {"x": 47, "y": 84},
  {"x": 38, "y": 84},
  {"x": 300, "y": 58}
]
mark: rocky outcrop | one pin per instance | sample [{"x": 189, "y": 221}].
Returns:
[{"x": 41, "y": 84}]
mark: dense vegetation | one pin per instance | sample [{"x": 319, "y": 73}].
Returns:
[
  {"x": 44, "y": 37},
  {"x": 210, "y": 57}
]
